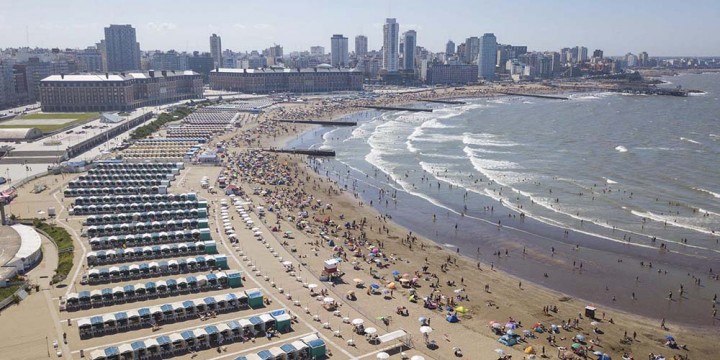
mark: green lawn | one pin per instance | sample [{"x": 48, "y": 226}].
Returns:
[
  {"x": 8, "y": 291},
  {"x": 79, "y": 116},
  {"x": 48, "y": 128},
  {"x": 65, "y": 248}
]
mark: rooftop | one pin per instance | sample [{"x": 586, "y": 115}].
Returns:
[
  {"x": 116, "y": 76},
  {"x": 319, "y": 68}
]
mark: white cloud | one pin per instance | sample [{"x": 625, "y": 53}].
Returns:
[
  {"x": 161, "y": 27},
  {"x": 239, "y": 26}
]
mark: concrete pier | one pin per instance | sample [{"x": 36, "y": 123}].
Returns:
[
  {"x": 319, "y": 122},
  {"x": 396, "y": 108}
]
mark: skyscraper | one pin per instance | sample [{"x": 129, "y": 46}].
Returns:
[
  {"x": 582, "y": 54},
  {"x": 472, "y": 49},
  {"x": 361, "y": 46},
  {"x": 121, "y": 48},
  {"x": 487, "y": 56},
  {"x": 338, "y": 50},
  {"x": 450, "y": 48},
  {"x": 410, "y": 42},
  {"x": 391, "y": 37},
  {"x": 216, "y": 50}
]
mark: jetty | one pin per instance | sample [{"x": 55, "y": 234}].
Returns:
[
  {"x": 552, "y": 97},
  {"x": 396, "y": 108},
  {"x": 451, "y": 102},
  {"x": 310, "y": 152},
  {"x": 319, "y": 122}
]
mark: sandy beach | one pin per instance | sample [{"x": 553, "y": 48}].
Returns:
[{"x": 315, "y": 210}]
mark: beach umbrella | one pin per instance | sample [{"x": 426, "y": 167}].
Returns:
[
  {"x": 511, "y": 325},
  {"x": 312, "y": 286},
  {"x": 417, "y": 357},
  {"x": 605, "y": 357},
  {"x": 510, "y": 332},
  {"x": 669, "y": 338},
  {"x": 529, "y": 350},
  {"x": 422, "y": 319},
  {"x": 375, "y": 286},
  {"x": 594, "y": 323},
  {"x": 358, "y": 321},
  {"x": 391, "y": 286},
  {"x": 575, "y": 346},
  {"x": 461, "y": 309},
  {"x": 598, "y": 353},
  {"x": 496, "y": 325},
  {"x": 328, "y": 300},
  {"x": 358, "y": 281},
  {"x": 580, "y": 338},
  {"x": 500, "y": 351},
  {"x": 383, "y": 355},
  {"x": 370, "y": 330},
  {"x": 395, "y": 273},
  {"x": 425, "y": 329}
]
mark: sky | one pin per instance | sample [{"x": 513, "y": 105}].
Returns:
[{"x": 660, "y": 27}]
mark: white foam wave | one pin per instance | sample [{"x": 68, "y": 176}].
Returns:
[
  {"x": 672, "y": 221},
  {"x": 610, "y": 181},
  {"x": 435, "y": 124},
  {"x": 485, "y": 139},
  {"x": 714, "y": 194},
  {"x": 690, "y": 140},
  {"x": 621, "y": 148},
  {"x": 703, "y": 93}
]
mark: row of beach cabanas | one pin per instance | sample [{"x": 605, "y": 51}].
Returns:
[
  {"x": 149, "y": 239},
  {"x": 155, "y": 268},
  {"x": 163, "y": 215},
  {"x": 180, "y": 343},
  {"x": 128, "y": 190},
  {"x": 143, "y": 227},
  {"x": 137, "y": 207},
  {"x": 144, "y": 198},
  {"x": 113, "y": 164},
  {"x": 126, "y": 176},
  {"x": 169, "y": 287},
  {"x": 309, "y": 347},
  {"x": 125, "y": 171},
  {"x": 76, "y": 184},
  {"x": 119, "y": 255},
  {"x": 170, "y": 312}
]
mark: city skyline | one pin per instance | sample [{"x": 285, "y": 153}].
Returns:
[{"x": 540, "y": 26}]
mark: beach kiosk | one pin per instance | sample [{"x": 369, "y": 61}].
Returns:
[
  {"x": 590, "y": 311},
  {"x": 330, "y": 270},
  {"x": 282, "y": 320},
  {"x": 222, "y": 263},
  {"x": 316, "y": 346},
  {"x": 255, "y": 298},
  {"x": 234, "y": 278},
  {"x": 210, "y": 247}
]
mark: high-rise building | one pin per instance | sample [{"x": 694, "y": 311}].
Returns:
[
  {"x": 89, "y": 60},
  {"x": 598, "y": 54},
  {"x": 409, "y": 43},
  {"x": 169, "y": 60},
  {"x": 317, "y": 50},
  {"x": 216, "y": 50},
  {"x": 121, "y": 48},
  {"x": 274, "y": 55},
  {"x": 449, "y": 48},
  {"x": 8, "y": 96},
  {"x": 201, "y": 64},
  {"x": 643, "y": 59},
  {"x": 361, "y": 48},
  {"x": 339, "y": 51},
  {"x": 581, "y": 54},
  {"x": 391, "y": 37},
  {"x": 487, "y": 56},
  {"x": 472, "y": 49}
]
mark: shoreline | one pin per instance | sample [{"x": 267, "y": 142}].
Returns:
[{"x": 544, "y": 262}]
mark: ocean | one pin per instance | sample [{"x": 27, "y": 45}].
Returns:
[{"x": 582, "y": 190}]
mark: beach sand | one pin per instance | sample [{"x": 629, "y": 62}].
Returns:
[{"x": 507, "y": 297}]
